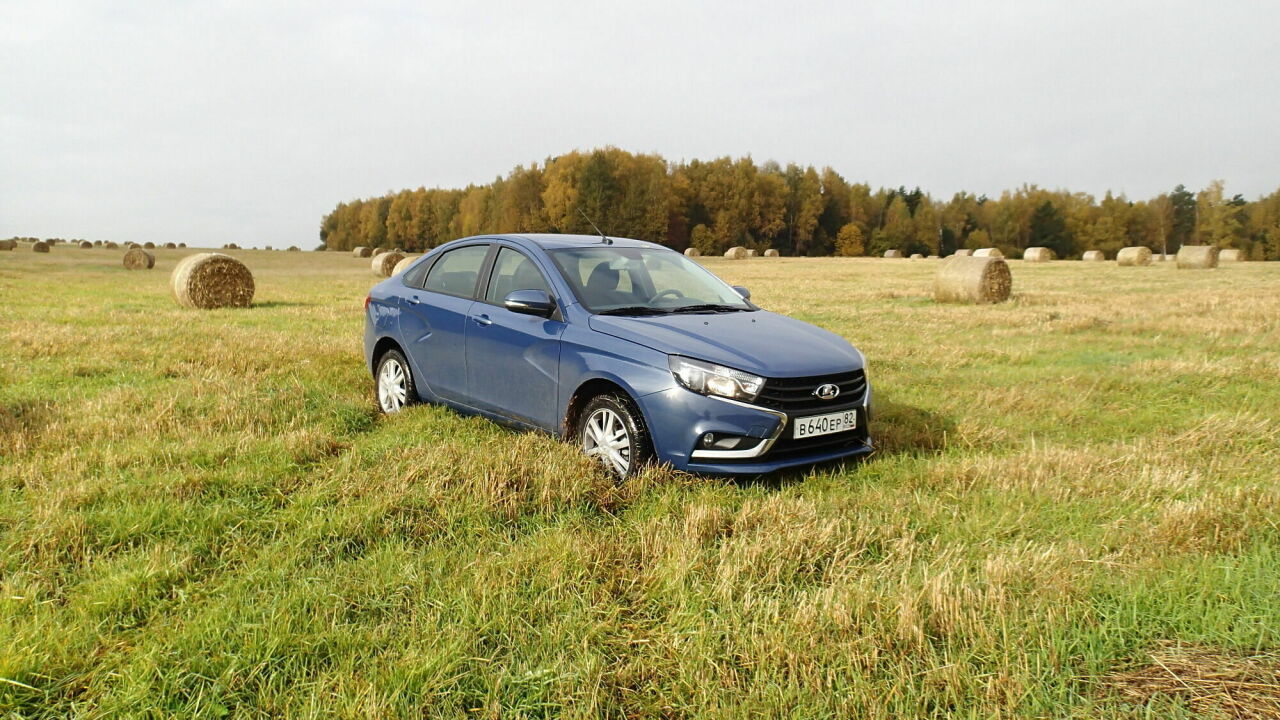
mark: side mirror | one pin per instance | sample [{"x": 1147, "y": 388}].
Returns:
[
  {"x": 745, "y": 293},
  {"x": 530, "y": 302}
]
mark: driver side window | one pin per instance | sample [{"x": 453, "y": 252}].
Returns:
[{"x": 513, "y": 270}]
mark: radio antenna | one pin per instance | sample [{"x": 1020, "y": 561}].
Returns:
[{"x": 603, "y": 238}]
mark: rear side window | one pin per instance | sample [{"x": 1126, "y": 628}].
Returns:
[
  {"x": 513, "y": 271},
  {"x": 456, "y": 272}
]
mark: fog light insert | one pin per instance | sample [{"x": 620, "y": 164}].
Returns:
[{"x": 724, "y": 441}]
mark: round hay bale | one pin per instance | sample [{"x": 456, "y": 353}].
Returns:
[
  {"x": 211, "y": 280},
  {"x": 1198, "y": 257},
  {"x": 182, "y": 245},
  {"x": 771, "y": 253},
  {"x": 1230, "y": 255},
  {"x": 916, "y": 256},
  {"x": 963, "y": 252},
  {"x": 132, "y": 244},
  {"x": 736, "y": 253},
  {"x": 1135, "y": 256},
  {"x": 149, "y": 245},
  {"x": 893, "y": 253},
  {"x": 403, "y": 265},
  {"x": 294, "y": 248},
  {"x": 139, "y": 259},
  {"x": 988, "y": 252},
  {"x": 40, "y": 246},
  {"x": 1038, "y": 254},
  {"x": 86, "y": 245},
  {"x": 110, "y": 245},
  {"x": 97, "y": 243},
  {"x": 8, "y": 244},
  {"x": 170, "y": 246},
  {"x": 361, "y": 252},
  {"x": 385, "y": 263},
  {"x": 692, "y": 252},
  {"x": 381, "y": 249},
  {"x": 1093, "y": 256},
  {"x": 751, "y": 252},
  {"x": 973, "y": 280}
]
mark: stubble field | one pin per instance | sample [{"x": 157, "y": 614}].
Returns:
[{"x": 201, "y": 513}]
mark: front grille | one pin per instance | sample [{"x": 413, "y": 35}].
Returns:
[{"x": 794, "y": 396}]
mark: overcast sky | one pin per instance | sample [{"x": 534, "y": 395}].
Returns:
[{"x": 247, "y": 121}]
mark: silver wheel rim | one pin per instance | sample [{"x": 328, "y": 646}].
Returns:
[
  {"x": 393, "y": 386},
  {"x": 605, "y": 438}
]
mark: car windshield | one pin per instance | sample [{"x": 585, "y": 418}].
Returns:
[{"x": 644, "y": 281}]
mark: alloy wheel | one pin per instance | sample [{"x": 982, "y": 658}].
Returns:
[
  {"x": 393, "y": 386},
  {"x": 605, "y": 438}
]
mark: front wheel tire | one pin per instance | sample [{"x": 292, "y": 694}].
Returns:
[
  {"x": 612, "y": 431},
  {"x": 394, "y": 383}
]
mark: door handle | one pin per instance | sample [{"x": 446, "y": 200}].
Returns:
[
  {"x": 414, "y": 299},
  {"x": 482, "y": 320}
]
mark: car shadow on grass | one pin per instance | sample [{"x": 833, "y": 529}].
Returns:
[
  {"x": 896, "y": 429},
  {"x": 281, "y": 303}
]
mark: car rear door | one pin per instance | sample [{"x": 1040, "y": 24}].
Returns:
[
  {"x": 434, "y": 319},
  {"x": 513, "y": 359}
]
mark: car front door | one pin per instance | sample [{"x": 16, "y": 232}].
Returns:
[
  {"x": 513, "y": 359},
  {"x": 434, "y": 320}
]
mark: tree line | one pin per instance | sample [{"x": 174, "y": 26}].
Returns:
[{"x": 717, "y": 204}]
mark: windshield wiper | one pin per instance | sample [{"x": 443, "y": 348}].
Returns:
[
  {"x": 634, "y": 310},
  {"x": 708, "y": 307}
]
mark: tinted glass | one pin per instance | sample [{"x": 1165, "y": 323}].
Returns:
[
  {"x": 608, "y": 278},
  {"x": 456, "y": 271},
  {"x": 513, "y": 271}
]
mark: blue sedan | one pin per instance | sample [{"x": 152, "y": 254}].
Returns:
[{"x": 626, "y": 347}]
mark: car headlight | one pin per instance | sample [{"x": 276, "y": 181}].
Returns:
[{"x": 711, "y": 379}]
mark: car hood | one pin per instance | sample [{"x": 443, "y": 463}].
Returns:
[{"x": 758, "y": 342}]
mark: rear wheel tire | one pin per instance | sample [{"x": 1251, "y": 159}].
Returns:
[
  {"x": 393, "y": 383},
  {"x": 612, "y": 430}
]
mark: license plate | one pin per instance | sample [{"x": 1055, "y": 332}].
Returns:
[{"x": 816, "y": 425}]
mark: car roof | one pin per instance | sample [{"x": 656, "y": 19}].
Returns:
[{"x": 552, "y": 241}]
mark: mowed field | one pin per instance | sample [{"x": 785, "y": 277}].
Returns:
[{"x": 201, "y": 513}]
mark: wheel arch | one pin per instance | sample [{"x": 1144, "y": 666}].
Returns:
[
  {"x": 590, "y": 389},
  {"x": 380, "y": 348}
]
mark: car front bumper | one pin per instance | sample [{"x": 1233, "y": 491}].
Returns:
[{"x": 678, "y": 418}]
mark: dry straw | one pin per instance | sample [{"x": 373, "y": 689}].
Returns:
[
  {"x": 916, "y": 256},
  {"x": 1093, "y": 256},
  {"x": 361, "y": 252},
  {"x": 771, "y": 253},
  {"x": 893, "y": 253},
  {"x": 149, "y": 245},
  {"x": 86, "y": 245},
  {"x": 1038, "y": 254},
  {"x": 294, "y": 248},
  {"x": 692, "y": 252},
  {"x": 403, "y": 265},
  {"x": 139, "y": 259},
  {"x": 736, "y": 253},
  {"x": 751, "y": 252},
  {"x": 1230, "y": 255},
  {"x": 8, "y": 244},
  {"x": 110, "y": 245},
  {"x": 1134, "y": 256},
  {"x": 384, "y": 264},
  {"x": 963, "y": 252},
  {"x": 1198, "y": 257},
  {"x": 973, "y": 280},
  {"x": 988, "y": 252},
  {"x": 170, "y": 246},
  {"x": 212, "y": 280},
  {"x": 40, "y": 246}
]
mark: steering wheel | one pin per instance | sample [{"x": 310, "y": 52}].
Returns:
[{"x": 674, "y": 293}]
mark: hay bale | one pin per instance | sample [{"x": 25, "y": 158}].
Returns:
[
  {"x": 988, "y": 252},
  {"x": 1230, "y": 255},
  {"x": 86, "y": 245},
  {"x": 916, "y": 256},
  {"x": 751, "y": 252},
  {"x": 1135, "y": 256},
  {"x": 1093, "y": 256},
  {"x": 211, "y": 280},
  {"x": 932, "y": 257},
  {"x": 381, "y": 249},
  {"x": 893, "y": 253},
  {"x": 149, "y": 245},
  {"x": 692, "y": 252},
  {"x": 97, "y": 243},
  {"x": 1198, "y": 257},
  {"x": 385, "y": 263},
  {"x": 1038, "y": 254},
  {"x": 139, "y": 259},
  {"x": 40, "y": 246},
  {"x": 403, "y": 264},
  {"x": 132, "y": 244},
  {"x": 182, "y": 245},
  {"x": 736, "y": 253},
  {"x": 170, "y": 246},
  {"x": 963, "y": 252},
  {"x": 110, "y": 245},
  {"x": 973, "y": 280},
  {"x": 771, "y": 253},
  {"x": 361, "y": 252},
  {"x": 294, "y": 248},
  {"x": 8, "y": 244}
]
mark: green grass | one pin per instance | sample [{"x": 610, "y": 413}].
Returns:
[{"x": 201, "y": 513}]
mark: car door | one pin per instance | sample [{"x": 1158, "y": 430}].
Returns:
[
  {"x": 434, "y": 318},
  {"x": 513, "y": 359}
]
